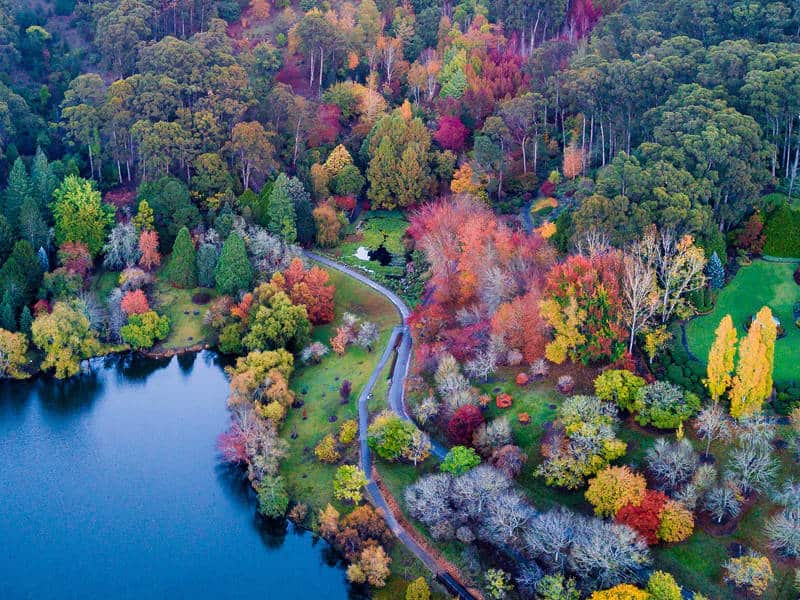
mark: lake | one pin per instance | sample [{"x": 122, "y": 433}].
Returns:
[{"x": 111, "y": 487}]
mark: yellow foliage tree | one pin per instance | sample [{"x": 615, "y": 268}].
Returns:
[
  {"x": 615, "y": 487},
  {"x": 465, "y": 181},
  {"x": 720, "y": 359},
  {"x": 752, "y": 383},
  {"x": 566, "y": 324},
  {"x": 623, "y": 591},
  {"x": 338, "y": 159},
  {"x": 326, "y": 450},
  {"x": 676, "y": 522},
  {"x": 328, "y": 522}
]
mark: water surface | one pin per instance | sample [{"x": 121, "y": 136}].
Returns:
[{"x": 110, "y": 487}]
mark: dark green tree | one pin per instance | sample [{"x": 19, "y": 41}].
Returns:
[
  {"x": 281, "y": 210},
  {"x": 234, "y": 271},
  {"x": 25, "y": 320},
  {"x": 180, "y": 269},
  {"x": 715, "y": 272},
  {"x": 17, "y": 190},
  {"x": 207, "y": 257}
]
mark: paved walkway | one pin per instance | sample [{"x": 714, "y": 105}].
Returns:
[{"x": 400, "y": 340}]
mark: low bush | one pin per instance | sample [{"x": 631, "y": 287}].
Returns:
[{"x": 783, "y": 232}]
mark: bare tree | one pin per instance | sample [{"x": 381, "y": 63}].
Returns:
[
  {"x": 639, "y": 294},
  {"x": 712, "y": 423}
]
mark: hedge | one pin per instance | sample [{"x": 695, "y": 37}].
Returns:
[{"x": 783, "y": 233}]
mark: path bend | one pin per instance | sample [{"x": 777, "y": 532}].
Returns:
[{"x": 401, "y": 340}]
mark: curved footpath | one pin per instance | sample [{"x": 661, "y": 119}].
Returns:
[{"x": 402, "y": 341}]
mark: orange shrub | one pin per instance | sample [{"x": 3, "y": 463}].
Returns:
[
  {"x": 522, "y": 379},
  {"x": 524, "y": 418},
  {"x": 503, "y": 400}
]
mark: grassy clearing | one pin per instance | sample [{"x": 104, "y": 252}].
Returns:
[
  {"x": 185, "y": 317},
  {"x": 760, "y": 284},
  {"x": 318, "y": 385}
]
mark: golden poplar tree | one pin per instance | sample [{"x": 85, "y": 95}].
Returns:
[
  {"x": 720, "y": 359},
  {"x": 753, "y": 381}
]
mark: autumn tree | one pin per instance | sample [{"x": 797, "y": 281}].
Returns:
[
  {"x": 720, "y": 359},
  {"x": 311, "y": 289},
  {"x": 347, "y": 483},
  {"x": 614, "y": 487},
  {"x": 418, "y": 590},
  {"x": 328, "y": 225},
  {"x": 13, "y": 355},
  {"x": 752, "y": 383},
  {"x": 144, "y": 218},
  {"x": 148, "y": 247},
  {"x": 134, "y": 303},
  {"x": 573, "y": 161}
]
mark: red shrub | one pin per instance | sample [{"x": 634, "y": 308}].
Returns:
[
  {"x": 504, "y": 400},
  {"x": 548, "y": 187},
  {"x": 451, "y": 134},
  {"x": 463, "y": 424},
  {"x": 134, "y": 303},
  {"x": 522, "y": 379},
  {"x": 41, "y": 307},
  {"x": 645, "y": 517},
  {"x": 76, "y": 258}
]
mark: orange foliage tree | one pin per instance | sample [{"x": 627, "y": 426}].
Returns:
[
  {"x": 148, "y": 246},
  {"x": 310, "y": 287}
]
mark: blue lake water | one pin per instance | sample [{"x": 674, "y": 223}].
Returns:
[{"x": 110, "y": 487}]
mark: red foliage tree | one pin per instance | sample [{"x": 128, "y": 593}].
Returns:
[
  {"x": 75, "y": 258},
  {"x": 233, "y": 445},
  {"x": 41, "y": 307},
  {"x": 134, "y": 303},
  {"x": 346, "y": 203},
  {"x": 548, "y": 187},
  {"x": 451, "y": 134},
  {"x": 463, "y": 424},
  {"x": 752, "y": 237},
  {"x": 521, "y": 326},
  {"x": 310, "y": 288},
  {"x": 148, "y": 246},
  {"x": 582, "y": 17},
  {"x": 645, "y": 517},
  {"x": 326, "y": 126}
]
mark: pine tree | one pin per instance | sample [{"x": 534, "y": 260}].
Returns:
[
  {"x": 144, "y": 218},
  {"x": 233, "y": 272},
  {"x": 411, "y": 179},
  {"x": 8, "y": 320},
  {"x": 306, "y": 228},
  {"x": 17, "y": 190},
  {"x": 32, "y": 226},
  {"x": 282, "y": 217},
  {"x": 25, "y": 321},
  {"x": 43, "y": 181},
  {"x": 720, "y": 359},
  {"x": 180, "y": 270},
  {"x": 752, "y": 384},
  {"x": 715, "y": 272},
  {"x": 207, "y": 257},
  {"x": 382, "y": 170}
]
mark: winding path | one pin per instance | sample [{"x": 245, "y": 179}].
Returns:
[{"x": 400, "y": 340}]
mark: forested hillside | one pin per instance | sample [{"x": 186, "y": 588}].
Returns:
[{"x": 590, "y": 205}]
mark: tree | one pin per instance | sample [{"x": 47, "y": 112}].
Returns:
[
  {"x": 122, "y": 248},
  {"x": 134, "y": 303},
  {"x": 148, "y": 247},
  {"x": 326, "y": 450},
  {"x": 677, "y": 522},
  {"x": 573, "y": 161},
  {"x": 273, "y": 499},
  {"x": 347, "y": 483},
  {"x": 372, "y": 567},
  {"x": 311, "y": 289},
  {"x": 712, "y": 424},
  {"x": 720, "y": 359},
  {"x": 13, "y": 355},
  {"x": 752, "y": 384},
  {"x": 459, "y": 460},
  {"x": 645, "y": 517},
  {"x": 463, "y": 423},
  {"x": 18, "y": 189},
  {"x": 715, "y": 272},
  {"x": 662, "y": 586},
  {"x": 751, "y": 572},
  {"x": 614, "y": 487},
  {"x": 278, "y": 324},
  {"x": 623, "y": 591},
  {"x": 143, "y": 330},
  {"x": 619, "y": 386},
  {"x": 233, "y": 272},
  {"x": 180, "y": 268},
  {"x": 75, "y": 258},
  {"x": 66, "y": 338},
  {"x": 32, "y": 226},
  {"x": 389, "y": 436},
  {"x": 328, "y": 225},
  {"x": 252, "y": 150},
  {"x": 207, "y": 257},
  {"x": 281, "y": 210},
  {"x": 451, "y": 133},
  {"x": 80, "y": 215},
  {"x": 144, "y": 218},
  {"x": 418, "y": 590},
  {"x": 639, "y": 295}
]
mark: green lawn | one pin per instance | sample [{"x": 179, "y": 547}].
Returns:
[
  {"x": 762, "y": 283},
  {"x": 309, "y": 480},
  {"x": 185, "y": 317}
]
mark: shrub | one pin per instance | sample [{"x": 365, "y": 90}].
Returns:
[
  {"x": 347, "y": 483},
  {"x": 677, "y": 522},
  {"x": 348, "y": 431},
  {"x": 504, "y": 400},
  {"x": 418, "y": 590},
  {"x": 326, "y": 450},
  {"x": 665, "y": 405},
  {"x": 459, "y": 460},
  {"x": 619, "y": 386},
  {"x": 565, "y": 384},
  {"x": 783, "y": 531},
  {"x": 463, "y": 423},
  {"x": 540, "y": 368},
  {"x": 644, "y": 518},
  {"x": 752, "y": 573},
  {"x": 389, "y": 436},
  {"x": 275, "y": 411},
  {"x": 143, "y": 330},
  {"x": 613, "y": 488},
  {"x": 662, "y": 586},
  {"x": 522, "y": 379}
]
